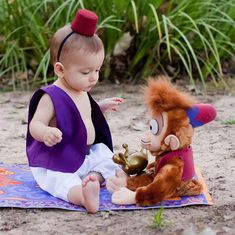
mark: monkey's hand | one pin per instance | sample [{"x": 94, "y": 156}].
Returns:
[
  {"x": 150, "y": 169},
  {"x": 123, "y": 196}
]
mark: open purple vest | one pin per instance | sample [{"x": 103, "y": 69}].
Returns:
[
  {"x": 69, "y": 154},
  {"x": 186, "y": 155}
]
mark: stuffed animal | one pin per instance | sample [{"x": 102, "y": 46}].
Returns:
[{"x": 174, "y": 116}]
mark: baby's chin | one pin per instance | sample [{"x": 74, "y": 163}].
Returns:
[{"x": 87, "y": 89}]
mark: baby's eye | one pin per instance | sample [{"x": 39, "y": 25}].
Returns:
[
  {"x": 153, "y": 125},
  {"x": 85, "y": 73},
  {"x": 97, "y": 70}
]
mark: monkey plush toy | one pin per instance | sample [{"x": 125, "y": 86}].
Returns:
[{"x": 174, "y": 115}]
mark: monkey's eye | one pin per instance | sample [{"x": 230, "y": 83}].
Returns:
[{"x": 153, "y": 125}]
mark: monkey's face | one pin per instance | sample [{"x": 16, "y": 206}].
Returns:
[{"x": 157, "y": 129}]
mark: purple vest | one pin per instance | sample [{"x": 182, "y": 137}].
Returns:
[
  {"x": 69, "y": 154},
  {"x": 185, "y": 155}
]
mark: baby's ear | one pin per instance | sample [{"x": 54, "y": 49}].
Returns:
[
  {"x": 59, "y": 69},
  {"x": 172, "y": 141}
]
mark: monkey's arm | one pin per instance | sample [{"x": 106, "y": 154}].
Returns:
[
  {"x": 139, "y": 181},
  {"x": 164, "y": 185}
]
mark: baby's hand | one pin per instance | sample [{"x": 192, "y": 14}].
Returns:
[
  {"x": 52, "y": 136},
  {"x": 110, "y": 103}
]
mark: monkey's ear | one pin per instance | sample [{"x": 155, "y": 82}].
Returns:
[{"x": 172, "y": 141}]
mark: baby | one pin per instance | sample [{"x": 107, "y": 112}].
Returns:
[{"x": 69, "y": 145}]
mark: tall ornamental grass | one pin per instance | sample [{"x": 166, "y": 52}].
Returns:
[{"x": 185, "y": 38}]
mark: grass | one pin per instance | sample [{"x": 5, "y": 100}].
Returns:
[
  {"x": 184, "y": 38},
  {"x": 230, "y": 122},
  {"x": 158, "y": 221}
]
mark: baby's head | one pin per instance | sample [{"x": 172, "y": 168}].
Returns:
[
  {"x": 77, "y": 53},
  {"x": 73, "y": 44}
]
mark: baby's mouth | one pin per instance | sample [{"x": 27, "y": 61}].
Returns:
[{"x": 91, "y": 85}]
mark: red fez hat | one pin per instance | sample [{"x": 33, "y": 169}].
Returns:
[{"x": 85, "y": 22}]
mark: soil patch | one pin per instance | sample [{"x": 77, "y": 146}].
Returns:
[{"x": 214, "y": 152}]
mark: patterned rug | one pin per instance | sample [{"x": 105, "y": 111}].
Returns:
[{"x": 19, "y": 189}]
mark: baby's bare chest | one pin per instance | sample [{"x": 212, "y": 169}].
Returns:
[{"x": 83, "y": 105}]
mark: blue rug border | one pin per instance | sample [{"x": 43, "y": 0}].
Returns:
[{"x": 70, "y": 207}]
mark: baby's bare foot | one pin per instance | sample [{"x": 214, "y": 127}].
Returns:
[
  {"x": 121, "y": 174},
  {"x": 116, "y": 182},
  {"x": 90, "y": 190}
]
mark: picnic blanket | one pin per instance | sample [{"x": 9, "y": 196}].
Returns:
[{"x": 19, "y": 189}]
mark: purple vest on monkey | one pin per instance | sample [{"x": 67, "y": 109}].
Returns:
[{"x": 69, "y": 154}]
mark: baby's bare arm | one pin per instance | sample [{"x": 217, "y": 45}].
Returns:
[
  {"x": 39, "y": 126},
  {"x": 110, "y": 103}
]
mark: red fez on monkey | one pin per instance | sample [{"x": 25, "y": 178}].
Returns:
[{"x": 174, "y": 114}]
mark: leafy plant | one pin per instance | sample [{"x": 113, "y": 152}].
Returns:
[
  {"x": 230, "y": 122},
  {"x": 184, "y": 38},
  {"x": 158, "y": 221}
]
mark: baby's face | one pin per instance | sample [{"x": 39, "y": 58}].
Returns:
[{"x": 81, "y": 71}]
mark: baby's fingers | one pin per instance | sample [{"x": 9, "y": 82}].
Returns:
[
  {"x": 118, "y": 100},
  {"x": 52, "y": 136},
  {"x": 51, "y": 140},
  {"x": 56, "y": 134},
  {"x": 114, "y": 108},
  {"x": 49, "y": 143}
]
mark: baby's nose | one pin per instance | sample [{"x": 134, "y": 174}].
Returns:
[{"x": 94, "y": 76}]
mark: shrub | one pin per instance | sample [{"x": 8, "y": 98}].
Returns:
[{"x": 185, "y": 37}]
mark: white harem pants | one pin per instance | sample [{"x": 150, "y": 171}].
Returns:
[{"x": 58, "y": 183}]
